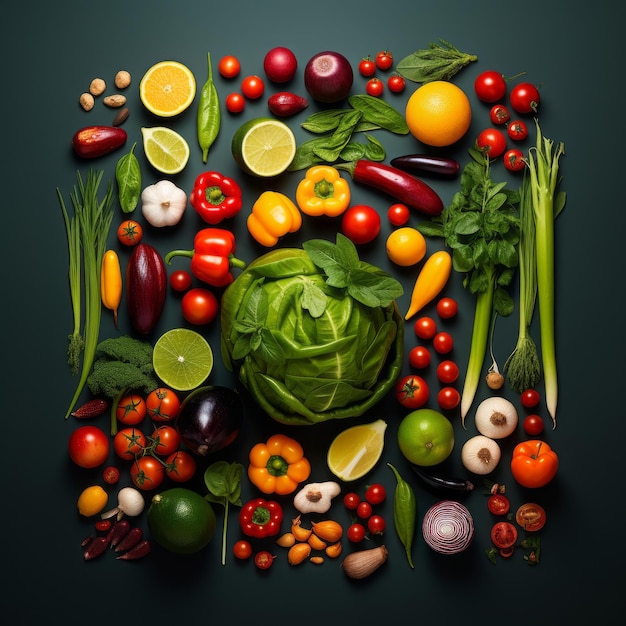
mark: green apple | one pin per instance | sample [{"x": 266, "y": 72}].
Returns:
[{"x": 426, "y": 437}]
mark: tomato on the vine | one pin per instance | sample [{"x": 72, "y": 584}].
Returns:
[
  {"x": 425, "y": 327},
  {"x": 351, "y": 500},
  {"x": 361, "y": 224},
  {"x": 162, "y": 404},
  {"x": 180, "y": 466},
  {"x": 384, "y": 60},
  {"x": 498, "y": 504},
  {"x": 356, "y": 532},
  {"x": 490, "y": 86},
  {"x": 448, "y": 398},
  {"x": 229, "y": 66},
  {"x": 131, "y": 409},
  {"x": 166, "y": 440},
  {"x": 376, "y": 524},
  {"x": 525, "y": 98},
  {"x": 200, "y": 306},
  {"x": 419, "y": 357},
  {"x": 499, "y": 114},
  {"x": 129, "y": 442},
  {"x": 252, "y": 87},
  {"x": 375, "y": 493},
  {"x": 447, "y": 372},
  {"x": 530, "y": 398},
  {"x": 503, "y": 535},
  {"x": 447, "y": 308},
  {"x": 88, "y": 446},
  {"x": 517, "y": 130},
  {"x": 374, "y": 87},
  {"x": 180, "y": 280},
  {"x": 129, "y": 232},
  {"x": 396, "y": 83},
  {"x": 242, "y": 549},
  {"x": 412, "y": 391},
  {"x": 531, "y": 516},
  {"x": 533, "y": 424},
  {"x": 147, "y": 473},
  {"x": 367, "y": 67},
  {"x": 514, "y": 160},
  {"x": 235, "y": 102},
  {"x": 443, "y": 342},
  {"x": 492, "y": 142},
  {"x": 398, "y": 214}
]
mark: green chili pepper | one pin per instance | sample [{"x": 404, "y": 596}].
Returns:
[
  {"x": 404, "y": 513},
  {"x": 128, "y": 177},
  {"x": 208, "y": 114}
]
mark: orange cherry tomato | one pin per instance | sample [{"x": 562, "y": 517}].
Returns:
[{"x": 534, "y": 463}]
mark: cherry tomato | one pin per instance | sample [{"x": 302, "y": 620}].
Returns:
[
  {"x": 531, "y": 516},
  {"x": 263, "y": 559},
  {"x": 180, "y": 280},
  {"x": 499, "y": 114},
  {"x": 351, "y": 500},
  {"x": 229, "y": 66},
  {"x": 252, "y": 87},
  {"x": 517, "y": 130},
  {"x": 396, "y": 83},
  {"x": 533, "y": 425},
  {"x": 443, "y": 342},
  {"x": 425, "y": 327},
  {"x": 235, "y": 102},
  {"x": 525, "y": 98},
  {"x": 242, "y": 549},
  {"x": 490, "y": 86},
  {"x": 166, "y": 439},
  {"x": 374, "y": 87},
  {"x": 180, "y": 466},
  {"x": 88, "y": 446},
  {"x": 514, "y": 160},
  {"x": 111, "y": 475},
  {"x": 367, "y": 67},
  {"x": 361, "y": 224},
  {"x": 448, "y": 398},
  {"x": 447, "y": 372},
  {"x": 412, "y": 391},
  {"x": 356, "y": 532},
  {"x": 147, "y": 473},
  {"x": 129, "y": 232},
  {"x": 498, "y": 504},
  {"x": 530, "y": 398},
  {"x": 162, "y": 404},
  {"x": 503, "y": 535},
  {"x": 131, "y": 409},
  {"x": 376, "y": 493},
  {"x": 364, "y": 510},
  {"x": 398, "y": 214},
  {"x": 447, "y": 308},
  {"x": 419, "y": 357},
  {"x": 376, "y": 524},
  {"x": 129, "y": 442},
  {"x": 492, "y": 142},
  {"x": 384, "y": 60},
  {"x": 199, "y": 306},
  {"x": 103, "y": 525}
]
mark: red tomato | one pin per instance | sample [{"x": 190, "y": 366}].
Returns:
[
  {"x": 376, "y": 524},
  {"x": 530, "y": 398},
  {"x": 374, "y": 87},
  {"x": 491, "y": 141},
  {"x": 180, "y": 280},
  {"x": 398, "y": 214},
  {"x": 447, "y": 308},
  {"x": 129, "y": 442},
  {"x": 514, "y": 160},
  {"x": 419, "y": 357},
  {"x": 367, "y": 67},
  {"x": 166, "y": 440},
  {"x": 235, "y": 102},
  {"x": 503, "y": 535},
  {"x": 533, "y": 425},
  {"x": 229, "y": 66},
  {"x": 384, "y": 60},
  {"x": 351, "y": 500},
  {"x": 499, "y": 114},
  {"x": 361, "y": 224},
  {"x": 396, "y": 83},
  {"x": 412, "y": 392},
  {"x": 376, "y": 493},
  {"x": 129, "y": 232},
  {"x": 199, "y": 306},
  {"x": 364, "y": 510},
  {"x": 448, "y": 398},
  {"x": 242, "y": 549},
  {"x": 111, "y": 475},
  {"x": 490, "y": 86},
  {"x": 88, "y": 446},
  {"x": 443, "y": 342},
  {"x": 498, "y": 504},
  {"x": 147, "y": 473},
  {"x": 425, "y": 327},
  {"x": 252, "y": 87},
  {"x": 525, "y": 98},
  {"x": 162, "y": 404},
  {"x": 180, "y": 466},
  {"x": 263, "y": 559},
  {"x": 517, "y": 130},
  {"x": 131, "y": 409},
  {"x": 356, "y": 532},
  {"x": 447, "y": 372},
  {"x": 531, "y": 516}
]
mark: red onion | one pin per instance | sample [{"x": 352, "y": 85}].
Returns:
[
  {"x": 328, "y": 77},
  {"x": 448, "y": 527}
]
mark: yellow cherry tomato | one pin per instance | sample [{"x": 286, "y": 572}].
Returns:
[
  {"x": 406, "y": 246},
  {"x": 92, "y": 500}
]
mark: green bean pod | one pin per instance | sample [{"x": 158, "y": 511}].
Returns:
[
  {"x": 208, "y": 114},
  {"x": 404, "y": 513}
]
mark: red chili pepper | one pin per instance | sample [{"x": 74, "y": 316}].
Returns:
[
  {"x": 138, "y": 552},
  {"x": 261, "y": 518},
  {"x": 212, "y": 256},
  {"x": 215, "y": 197}
]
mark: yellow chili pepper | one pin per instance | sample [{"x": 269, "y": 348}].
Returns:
[
  {"x": 273, "y": 215},
  {"x": 430, "y": 281},
  {"x": 111, "y": 282},
  {"x": 278, "y": 465},
  {"x": 323, "y": 192}
]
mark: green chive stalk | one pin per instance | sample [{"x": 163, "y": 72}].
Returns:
[{"x": 543, "y": 167}]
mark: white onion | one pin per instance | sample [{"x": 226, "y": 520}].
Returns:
[
  {"x": 448, "y": 527},
  {"x": 496, "y": 417}
]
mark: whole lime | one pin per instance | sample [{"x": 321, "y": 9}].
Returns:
[
  {"x": 426, "y": 437},
  {"x": 181, "y": 520}
]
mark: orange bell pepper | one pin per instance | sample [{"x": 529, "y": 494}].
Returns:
[
  {"x": 278, "y": 465},
  {"x": 273, "y": 215},
  {"x": 534, "y": 463},
  {"x": 323, "y": 192}
]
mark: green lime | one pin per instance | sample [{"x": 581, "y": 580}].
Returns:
[
  {"x": 181, "y": 520},
  {"x": 182, "y": 359},
  {"x": 165, "y": 149},
  {"x": 264, "y": 147}
]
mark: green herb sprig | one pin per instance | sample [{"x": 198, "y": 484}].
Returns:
[{"x": 128, "y": 177}]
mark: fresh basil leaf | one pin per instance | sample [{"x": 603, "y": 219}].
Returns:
[
  {"x": 128, "y": 177},
  {"x": 379, "y": 112}
]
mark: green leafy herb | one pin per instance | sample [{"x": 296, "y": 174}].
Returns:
[
  {"x": 223, "y": 480},
  {"x": 128, "y": 177},
  {"x": 380, "y": 113},
  {"x": 440, "y": 61},
  {"x": 339, "y": 138}
]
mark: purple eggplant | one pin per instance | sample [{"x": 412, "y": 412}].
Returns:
[{"x": 426, "y": 163}]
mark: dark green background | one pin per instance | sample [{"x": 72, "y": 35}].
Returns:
[{"x": 51, "y": 52}]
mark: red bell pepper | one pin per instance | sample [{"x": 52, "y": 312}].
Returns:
[
  {"x": 261, "y": 518},
  {"x": 212, "y": 256},
  {"x": 215, "y": 197}
]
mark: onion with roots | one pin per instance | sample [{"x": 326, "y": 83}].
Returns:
[{"x": 448, "y": 527}]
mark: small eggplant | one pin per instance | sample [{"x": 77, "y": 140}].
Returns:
[
  {"x": 285, "y": 103},
  {"x": 442, "y": 483},
  {"x": 426, "y": 163},
  {"x": 96, "y": 141}
]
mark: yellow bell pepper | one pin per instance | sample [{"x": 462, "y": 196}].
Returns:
[
  {"x": 278, "y": 465},
  {"x": 273, "y": 215},
  {"x": 323, "y": 192}
]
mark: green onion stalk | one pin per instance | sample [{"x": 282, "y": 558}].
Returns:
[{"x": 543, "y": 167}]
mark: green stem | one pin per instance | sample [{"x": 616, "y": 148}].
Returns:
[{"x": 224, "y": 531}]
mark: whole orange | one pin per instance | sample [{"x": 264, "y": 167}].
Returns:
[{"x": 438, "y": 113}]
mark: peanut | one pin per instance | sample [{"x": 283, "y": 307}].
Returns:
[
  {"x": 115, "y": 101},
  {"x": 86, "y": 101},
  {"x": 122, "y": 79},
  {"x": 97, "y": 87}
]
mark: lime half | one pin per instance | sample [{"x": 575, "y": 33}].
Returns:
[
  {"x": 182, "y": 359},
  {"x": 165, "y": 149}
]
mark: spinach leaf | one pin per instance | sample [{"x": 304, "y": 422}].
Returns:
[
  {"x": 128, "y": 177},
  {"x": 379, "y": 112}
]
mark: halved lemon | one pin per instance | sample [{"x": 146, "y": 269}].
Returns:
[
  {"x": 167, "y": 88},
  {"x": 355, "y": 451},
  {"x": 182, "y": 359},
  {"x": 264, "y": 147},
  {"x": 165, "y": 149}
]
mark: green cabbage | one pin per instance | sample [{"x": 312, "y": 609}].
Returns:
[{"x": 314, "y": 333}]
